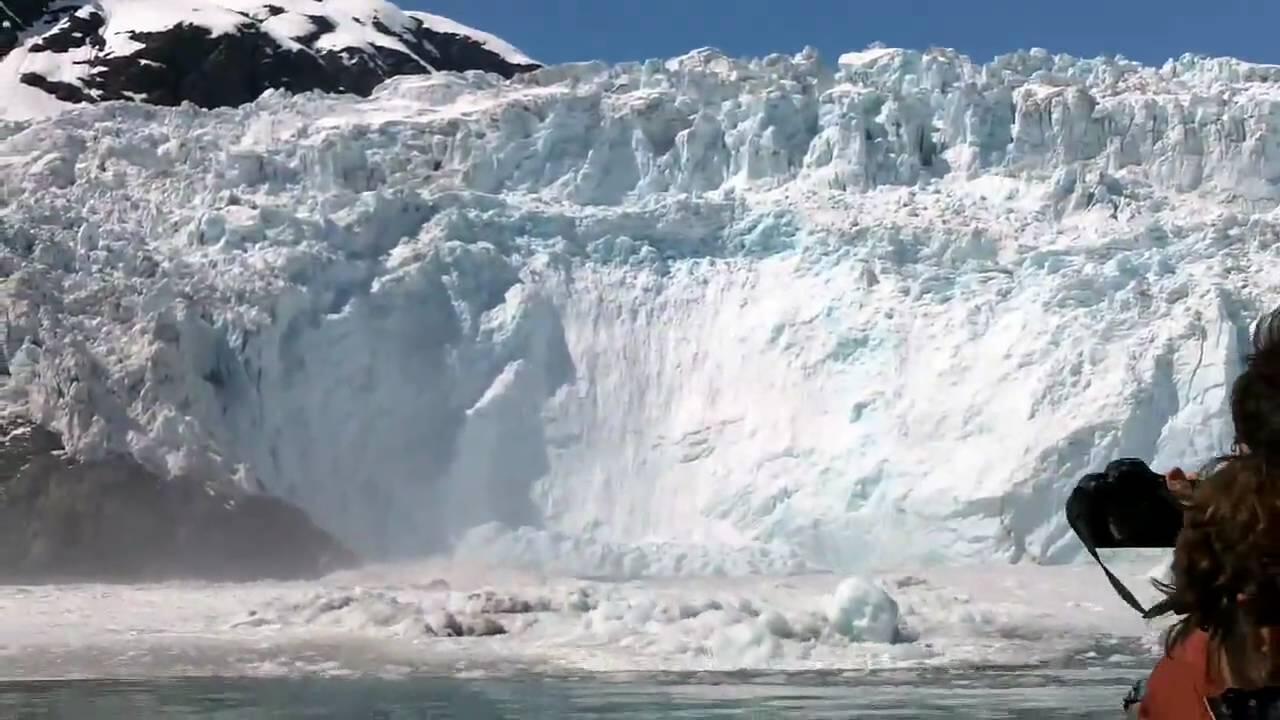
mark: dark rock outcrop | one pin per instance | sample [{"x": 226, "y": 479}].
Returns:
[
  {"x": 28, "y": 12},
  {"x": 112, "y": 520},
  {"x": 189, "y": 61}
]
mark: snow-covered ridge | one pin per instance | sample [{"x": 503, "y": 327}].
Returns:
[
  {"x": 223, "y": 52},
  {"x": 701, "y": 315},
  {"x": 441, "y": 24}
]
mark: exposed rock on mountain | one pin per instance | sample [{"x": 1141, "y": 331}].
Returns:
[
  {"x": 110, "y": 519},
  {"x": 217, "y": 53}
]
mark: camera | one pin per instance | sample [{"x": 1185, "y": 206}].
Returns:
[{"x": 1127, "y": 505}]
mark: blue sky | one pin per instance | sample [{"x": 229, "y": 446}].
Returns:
[{"x": 1146, "y": 30}]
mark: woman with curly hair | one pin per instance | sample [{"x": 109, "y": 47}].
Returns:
[{"x": 1222, "y": 659}]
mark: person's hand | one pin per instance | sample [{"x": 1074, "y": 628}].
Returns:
[{"x": 1181, "y": 484}]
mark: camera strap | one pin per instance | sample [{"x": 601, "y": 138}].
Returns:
[
  {"x": 1124, "y": 592},
  {"x": 1075, "y": 519}
]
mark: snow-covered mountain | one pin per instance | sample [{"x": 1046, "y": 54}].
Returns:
[
  {"x": 223, "y": 52},
  {"x": 685, "y": 316}
]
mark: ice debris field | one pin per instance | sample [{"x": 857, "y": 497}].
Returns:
[
  {"x": 717, "y": 317},
  {"x": 397, "y": 621}
]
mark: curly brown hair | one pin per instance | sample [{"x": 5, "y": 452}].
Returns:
[{"x": 1226, "y": 568}]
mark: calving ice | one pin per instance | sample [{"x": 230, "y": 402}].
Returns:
[{"x": 668, "y": 318}]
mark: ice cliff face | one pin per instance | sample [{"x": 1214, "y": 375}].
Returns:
[{"x": 688, "y": 316}]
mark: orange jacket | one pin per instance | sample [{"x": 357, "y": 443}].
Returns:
[{"x": 1181, "y": 684}]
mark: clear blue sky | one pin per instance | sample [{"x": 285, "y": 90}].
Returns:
[{"x": 1147, "y": 30}]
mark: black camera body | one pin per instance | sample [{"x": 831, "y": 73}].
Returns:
[{"x": 1127, "y": 505}]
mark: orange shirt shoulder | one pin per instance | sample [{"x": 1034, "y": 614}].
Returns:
[{"x": 1181, "y": 683}]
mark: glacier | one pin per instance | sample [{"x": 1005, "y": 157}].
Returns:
[{"x": 694, "y": 316}]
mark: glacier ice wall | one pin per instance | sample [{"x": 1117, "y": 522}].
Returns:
[{"x": 700, "y": 315}]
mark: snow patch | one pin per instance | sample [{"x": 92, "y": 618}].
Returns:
[
  {"x": 867, "y": 58},
  {"x": 23, "y": 101},
  {"x": 443, "y": 24}
]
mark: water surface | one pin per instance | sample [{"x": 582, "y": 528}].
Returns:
[{"x": 954, "y": 695}]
